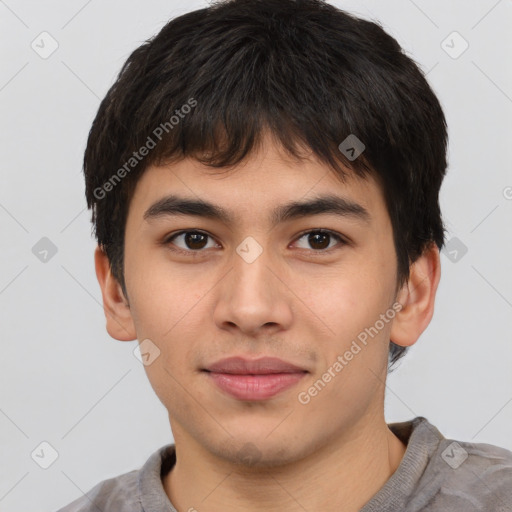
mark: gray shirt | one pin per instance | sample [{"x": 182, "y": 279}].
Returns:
[{"x": 436, "y": 474}]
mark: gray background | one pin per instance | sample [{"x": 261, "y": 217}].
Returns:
[{"x": 64, "y": 381}]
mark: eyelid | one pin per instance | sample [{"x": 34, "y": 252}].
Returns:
[
  {"x": 343, "y": 240},
  {"x": 168, "y": 240}
]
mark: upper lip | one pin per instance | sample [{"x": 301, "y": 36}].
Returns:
[{"x": 262, "y": 366}]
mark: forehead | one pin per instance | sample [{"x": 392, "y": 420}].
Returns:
[{"x": 266, "y": 181}]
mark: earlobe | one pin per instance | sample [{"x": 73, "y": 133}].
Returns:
[
  {"x": 115, "y": 305},
  {"x": 417, "y": 297}
]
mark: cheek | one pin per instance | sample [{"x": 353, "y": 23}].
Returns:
[
  {"x": 351, "y": 302},
  {"x": 171, "y": 311},
  {"x": 159, "y": 295},
  {"x": 354, "y": 354}
]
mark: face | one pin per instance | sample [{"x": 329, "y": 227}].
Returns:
[{"x": 313, "y": 288}]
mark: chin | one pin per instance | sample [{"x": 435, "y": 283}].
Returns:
[{"x": 263, "y": 454}]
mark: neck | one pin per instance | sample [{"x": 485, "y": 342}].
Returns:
[{"x": 343, "y": 474}]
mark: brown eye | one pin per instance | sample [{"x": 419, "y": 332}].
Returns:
[
  {"x": 194, "y": 241},
  {"x": 320, "y": 240}
]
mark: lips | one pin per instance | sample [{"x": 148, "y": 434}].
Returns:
[
  {"x": 262, "y": 366},
  {"x": 258, "y": 379}
]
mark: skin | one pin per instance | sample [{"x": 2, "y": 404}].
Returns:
[{"x": 294, "y": 302}]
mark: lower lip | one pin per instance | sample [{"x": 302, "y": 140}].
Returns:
[{"x": 255, "y": 387}]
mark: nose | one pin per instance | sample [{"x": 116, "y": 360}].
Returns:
[{"x": 253, "y": 296}]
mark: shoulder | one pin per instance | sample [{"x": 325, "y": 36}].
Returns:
[
  {"x": 443, "y": 474},
  {"x": 118, "y": 494},
  {"x": 135, "y": 491},
  {"x": 474, "y": 476}
]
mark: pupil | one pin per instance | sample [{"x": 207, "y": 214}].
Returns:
[
  {"x": 312, "y": 237},
  {"x": 193, "y": 238}
]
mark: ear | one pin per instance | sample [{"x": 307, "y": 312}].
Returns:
[
  {"x": 417, "y": 297},
  {"x": 117, "y": 310}
]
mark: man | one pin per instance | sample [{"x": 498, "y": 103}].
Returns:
[{"x": 264, "y": 180}]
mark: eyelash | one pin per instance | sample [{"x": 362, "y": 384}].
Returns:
[{"x": 342, "y": 241}]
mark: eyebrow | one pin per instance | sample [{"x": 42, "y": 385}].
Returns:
[{"x": 174, "y": 205}]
